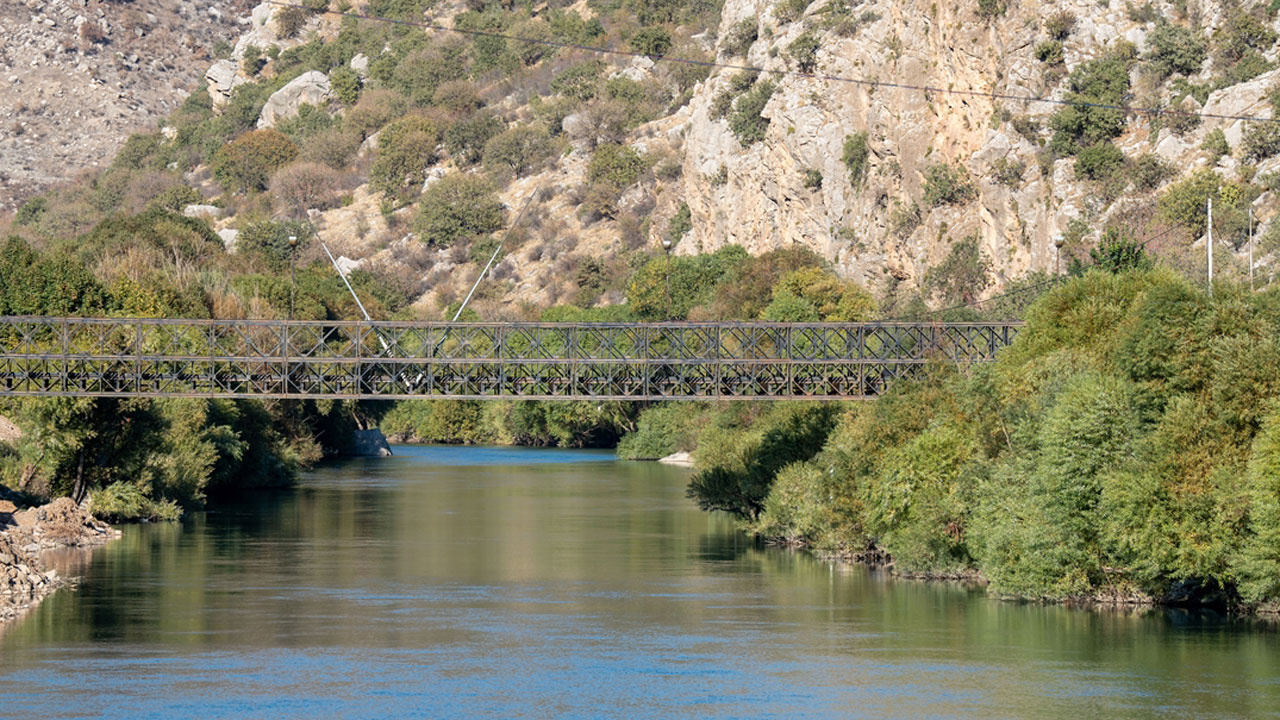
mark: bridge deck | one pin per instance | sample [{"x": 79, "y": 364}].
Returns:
[{"x": 113, "y": 357}]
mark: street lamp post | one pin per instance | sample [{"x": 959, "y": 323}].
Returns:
[
  {"x": 293, "y": 248},
  {"x": 666, "y": 247},
  {"x": 1058, "y": 242}
]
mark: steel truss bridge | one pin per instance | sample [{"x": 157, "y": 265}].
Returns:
[{"x": 111, "y": 357}]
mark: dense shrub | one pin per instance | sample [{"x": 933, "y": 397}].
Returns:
[
  {"x": 334, "y": 147},
  {"x": 1215, "y": 145},
  {"x": 963, "y": 275},
  {"x": 991, "y": 9},
  {"x": 1174, "y": 49},
  {"x": 747, "y": 121},
  {"x": 812, "y": 295},
  {"x": 1058, "y": 26},
  {"x": 1184, "y": 202},
  {"x": 1241, "y": 35},
  {"x": 269, "y": 240},
  {"x": 1125, "y": 447},
  {"x": 304, "y": 185},
  {"x": 661, "y": 431},
  {"x": 904, "y": 219},
  {"x": 465, "y": 140},
  {"x": 1008, "y": 172},
  {"x": 855, "y": 155},
  {"x": 406, "y": 148},
  {"x": 519, "y": 150},
  {"x": 456, "y": 208},
  {"x": 346, "y": 85},
  {"x": 1103, "y": 81},
  {"x": 1149, "y": 171},
  {"x": 947, "y": 185},
  {"x": 795, "y": 434},
  {"x": 618, "y": 165},
  {"x": 692, "y": 281},
  {"x": 681, "y": 223},
  {"x": 375, "y": 108},
  {"x": 804, "y": 52},
  {"x": 247, "y": 163},
  {"x": 740, "y": 37},
  {"x": 580, "y": 82},
  {"x": 651, "y": 41},
  {"x": 1050, "y": 52},
  {"x": 1261, "y": 141},
  {"x": 788, "y": 11},
  {"x": 1099, "y": 162}
]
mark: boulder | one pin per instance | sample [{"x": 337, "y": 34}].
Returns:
[
  {"x": 309, "y": 88},
  {"x": 8, "y": 431},
  {"x": 209, "y": 211},
  {"x": 682, "y": 459},
  {"x": 369, "y": 443},
  {"x": 229, "y": 236},
  {"x": 346, "y": 265},
  {"x": 223, "y": 77},
  {"x": 360, "y": 63}
]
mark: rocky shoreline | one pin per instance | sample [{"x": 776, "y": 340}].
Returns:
[{"x": 25, "y": 535}]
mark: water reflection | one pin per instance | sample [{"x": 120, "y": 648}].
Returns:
[{"x": 497, "y": 582}]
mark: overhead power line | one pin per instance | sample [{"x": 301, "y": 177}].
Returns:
[{"x": 863, "y": 82}]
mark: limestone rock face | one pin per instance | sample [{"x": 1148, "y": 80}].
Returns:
[
  {"x": 309, "y": 88},
  {"x": 755, "y": 195}
]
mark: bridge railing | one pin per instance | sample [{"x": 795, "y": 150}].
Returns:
[{"x": 257, "y": 358}]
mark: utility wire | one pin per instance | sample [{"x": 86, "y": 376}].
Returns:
[{"x": 871, "y": 84}]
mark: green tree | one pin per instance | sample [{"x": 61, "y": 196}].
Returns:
[
  {"x": 1119, "y": 251},
  {"x": 1099, "y": 82},
  {"x": 804, "y": 52},
  {"x": 1259, "y": 564}
]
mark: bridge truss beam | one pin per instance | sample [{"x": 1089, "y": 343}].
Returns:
[{"x": 109, "y": 357}]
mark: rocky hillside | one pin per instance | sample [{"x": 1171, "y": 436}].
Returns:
[
  {"x": 78, "y": 76},
  {"x": 410, "y": 150}
]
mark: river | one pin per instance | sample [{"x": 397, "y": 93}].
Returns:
[{"x": 485, "y": 582}]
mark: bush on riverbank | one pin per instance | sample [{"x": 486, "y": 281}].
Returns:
[
  {"x": 150, "y": 459},
  {"x": 1128, "y": 444}
]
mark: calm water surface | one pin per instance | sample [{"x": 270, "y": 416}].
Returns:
[{"x": 449, "y": 582}]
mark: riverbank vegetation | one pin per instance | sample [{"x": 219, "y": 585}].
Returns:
[
  {"x": 1126, "y": 448},
  {"x": 144, "y": 459}
]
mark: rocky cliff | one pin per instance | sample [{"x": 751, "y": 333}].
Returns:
[
  {"x": 802, "y": 136},
  {"x": 78, "y": 76}
]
